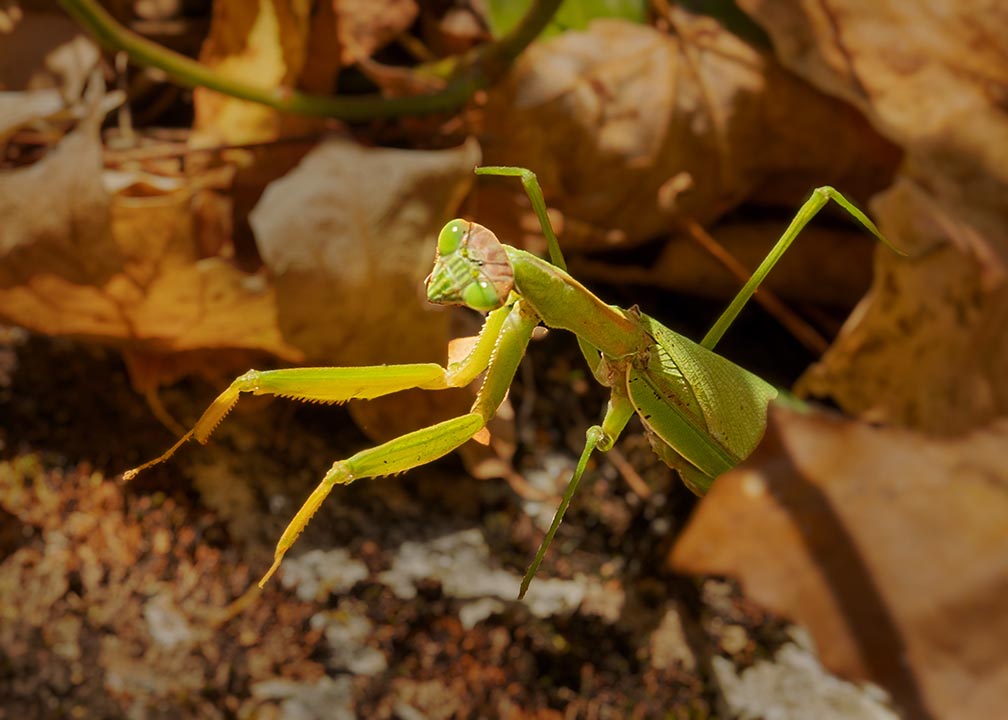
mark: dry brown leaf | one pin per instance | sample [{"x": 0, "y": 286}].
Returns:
[
  {"x": 287, "y": 44},
  {"x": 18, "y": 109},
  {"x": 348, "y": 239},
  {"x": 322, "y": 61},
  {"x": 364, "y": 26},
  {"x": 77, "y": 260},
  {"x": 890, "y": 546},
  {"x": 54, "y": 209},
  {"x": 43, "y": 50},
  {"x": 927, "y": 346},
  {"x": 949, "y": 49},
  {"x": 607, "y": 117},
  {"x": 264, "y": 43}
]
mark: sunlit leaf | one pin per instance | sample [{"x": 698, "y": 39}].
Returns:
[{"x": 572, "y": 15}]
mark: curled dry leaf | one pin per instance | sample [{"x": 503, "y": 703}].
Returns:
[
  {"x": 608, "y": 117},
  {"x": 364, "y": 26},
  {"x": 78, "y": 260},
  {"x": 889, "y": 545},
  {"x": 279, "y": 44},
  {"x": 147, "y": 262},
  {"x": 347, "y": 238},
  {"x": 41, "y": 229},
  {"x": 18, "y": 109},
  {"x": 287, "y": 44},
  {"x": 43, "y": 50},
  {"x": 927, "y": 346}
]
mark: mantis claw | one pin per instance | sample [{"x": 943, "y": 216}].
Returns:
[
  {"x": 208, "y": 421},
  {"x": 338, "y": 473},
  {"x": 130, "y": 474}
]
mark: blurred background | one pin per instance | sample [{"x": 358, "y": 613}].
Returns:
[{"x": 191, "y": 188}]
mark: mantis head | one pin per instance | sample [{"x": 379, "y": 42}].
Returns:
[{"x": 471, "y": 268}]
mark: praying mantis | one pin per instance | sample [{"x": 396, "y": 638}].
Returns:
[{"x": 702, "y": 413}]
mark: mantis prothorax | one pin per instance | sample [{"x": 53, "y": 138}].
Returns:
[{"x": 703, "y": 414}]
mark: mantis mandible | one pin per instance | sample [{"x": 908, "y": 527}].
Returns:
[{"x": 702, "y": 413}]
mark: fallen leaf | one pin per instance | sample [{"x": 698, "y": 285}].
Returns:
[
  {"x": 347, "y": 238},
  {"x": 264, "y": 43},
  {"x": 364, "y": 26},
  {"x": 18, "y": 109},
  {"x": 43, "y": 50},
  {"x": 78, "y": 260},
  {"x": 927, "y": 347},
  {"x": 607, "y": 117},
  {"x": 889, "y": 545},
  {"x": 953, "y": 49},
  {"x": 945, "y": 308},
  {"x": 52, "y": 210}
]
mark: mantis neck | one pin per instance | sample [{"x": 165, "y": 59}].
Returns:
[{"x": 564, "y": 303}]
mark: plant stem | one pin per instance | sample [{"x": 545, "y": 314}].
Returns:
[{"x": 466, "y": 73}]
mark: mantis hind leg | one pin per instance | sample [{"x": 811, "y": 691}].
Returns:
[{"x": 820, "y": 197}]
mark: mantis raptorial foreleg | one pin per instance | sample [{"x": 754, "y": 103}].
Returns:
[
  {"x": 498, "y": 350},
  {"x": 339, "y": 384},
  {"x": 395, "y": 456},
  {"x": 428, "y": 444}
]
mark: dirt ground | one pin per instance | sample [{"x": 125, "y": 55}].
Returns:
[{"x": 399, "y": 601}]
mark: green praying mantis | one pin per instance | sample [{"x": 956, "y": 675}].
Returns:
[{"x": 702, "y": 413}]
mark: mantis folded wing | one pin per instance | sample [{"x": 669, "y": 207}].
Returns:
[{"x": 703, "y": 414}]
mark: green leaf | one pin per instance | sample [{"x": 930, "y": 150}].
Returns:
[{"x": 572, "y": 15}]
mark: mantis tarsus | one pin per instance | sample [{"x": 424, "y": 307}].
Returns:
[{"x": 703, "y": 414}]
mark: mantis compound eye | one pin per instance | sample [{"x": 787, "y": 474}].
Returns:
[
  {"x": 480, "y": 295},
  {"x": 471, "y": 268},
  {"x": 451, "y": 236}
]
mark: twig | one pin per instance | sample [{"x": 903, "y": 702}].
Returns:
[
  {"x": 630, "y": 476},
  {"x": 465, "y": 74},
  {"x": 801, "y": 330}
]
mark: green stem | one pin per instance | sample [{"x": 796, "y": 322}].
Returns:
[{"x": 470, "y": 72}]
